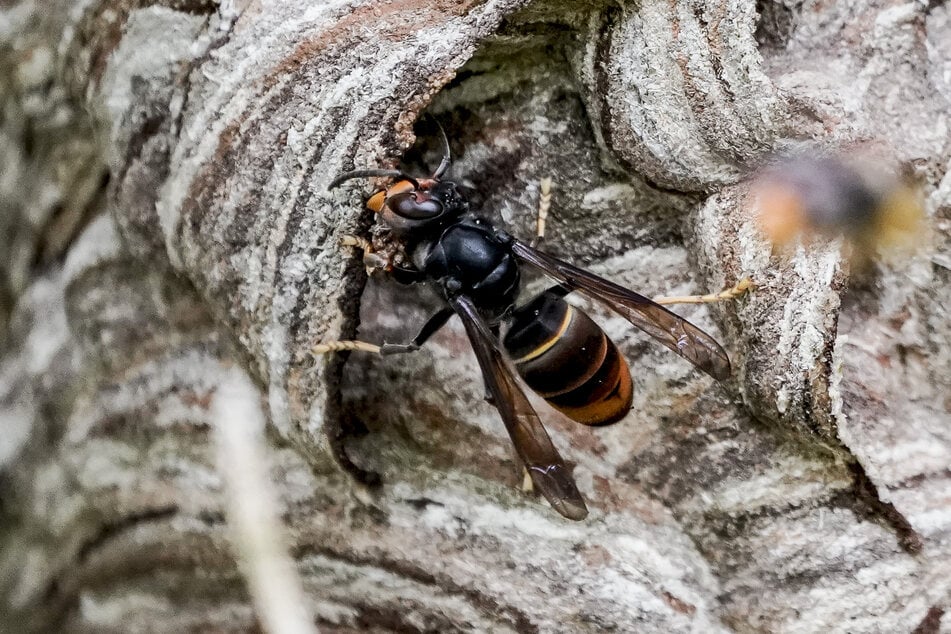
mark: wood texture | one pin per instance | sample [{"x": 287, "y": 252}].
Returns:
[{"x": 166, "y": 228}]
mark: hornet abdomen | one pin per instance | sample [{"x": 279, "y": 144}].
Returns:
[{"x": 568, "y": 360}]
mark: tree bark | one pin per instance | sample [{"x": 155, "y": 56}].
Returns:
[{"x": 167, "y": 228}]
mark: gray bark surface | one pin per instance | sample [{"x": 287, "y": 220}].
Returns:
[{"x": 166, "y": 223}]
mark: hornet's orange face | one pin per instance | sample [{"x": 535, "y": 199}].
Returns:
[{"x": 409, "y": 205}]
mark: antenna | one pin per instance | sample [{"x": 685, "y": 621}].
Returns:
[{"x": 446, "y": 154}]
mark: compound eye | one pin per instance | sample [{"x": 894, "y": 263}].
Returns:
[{"x": 415, "y": 205}]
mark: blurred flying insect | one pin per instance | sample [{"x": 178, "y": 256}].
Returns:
[
  {"x": 826, "y": 196},
  {"x": 556, "y": 349}
]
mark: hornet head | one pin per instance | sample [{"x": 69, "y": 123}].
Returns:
[{"x": 410, "y": 204}]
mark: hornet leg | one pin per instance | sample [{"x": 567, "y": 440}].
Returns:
[
  {"x": 349, "y": 426},
  {"x": 371, "y": 260},
  {"x": 375, "y": 262},
  {"x": 737, "y": 290},
  {"x": 434, "y": 323},
  {"x": 544, "y": 204}
]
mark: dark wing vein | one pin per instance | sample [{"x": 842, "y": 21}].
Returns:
[
  {"x": 534, "y": 447},
  {"x": 676, "y": 333}
]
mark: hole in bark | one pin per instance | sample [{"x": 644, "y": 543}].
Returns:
[{"x": 513, "y": 115}]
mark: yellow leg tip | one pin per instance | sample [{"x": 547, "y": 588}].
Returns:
[{"x": 341, "y": 346}]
